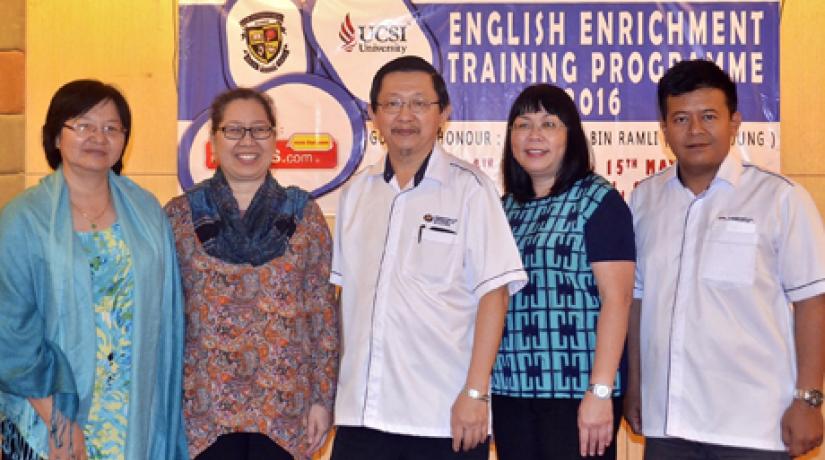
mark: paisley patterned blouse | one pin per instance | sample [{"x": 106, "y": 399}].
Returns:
[
  {"x": 261, "y": 342},
  {"x": 113, "y": 286}
]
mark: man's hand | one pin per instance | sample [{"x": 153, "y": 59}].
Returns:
[
  {"x": 468, "y": 422},
  {"x": 801, "y": 428},
  {"x": 595, "y": 425},
  {"x": 633, "y": 409},
  {"x": 318, "y": 423}
]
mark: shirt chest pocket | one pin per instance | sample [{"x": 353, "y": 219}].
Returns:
[
  {"x": 730, "y": 253},
  {"x": 434, "y": 255}
]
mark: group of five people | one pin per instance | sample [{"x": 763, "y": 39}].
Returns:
[{"x": 454, "y": 301}]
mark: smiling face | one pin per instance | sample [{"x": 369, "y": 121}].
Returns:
[
  {"x": 246, "y": 159},
  {"x": 408, "y": 134},
  {"x": 96, "y": 152},
  {"x": 699, "y": 128},
  {"x": 539, "y": 141}
]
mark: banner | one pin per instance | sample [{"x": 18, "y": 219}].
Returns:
[{"x": 316, "y": 59}]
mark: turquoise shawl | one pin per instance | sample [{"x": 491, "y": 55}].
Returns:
[{"x": 47, "y": 328}]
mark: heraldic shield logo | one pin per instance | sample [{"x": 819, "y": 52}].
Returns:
[{"x": 265, "y": 36}]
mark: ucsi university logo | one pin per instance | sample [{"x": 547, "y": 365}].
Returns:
[{"x": 383, "y": 37}]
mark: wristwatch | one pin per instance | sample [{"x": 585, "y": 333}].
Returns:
[
  {"x": 811, "y": 396},
  {"x": 600, "y": 390},
  {"x": 472, "y": 393}
]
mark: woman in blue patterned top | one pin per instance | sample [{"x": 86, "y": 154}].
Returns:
[
  {"x": 556, "y": 387},
  {"x": 91, "y": 317}
]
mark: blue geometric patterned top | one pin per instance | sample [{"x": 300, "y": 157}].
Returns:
[
  {"x": 550, "y": 329},
  {"x": 113, "y": 285}
]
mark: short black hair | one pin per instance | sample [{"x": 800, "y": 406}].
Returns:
[
  {"x": 74, "y": 99},
  {"x": 222, "y": 100},
  {"x": 410, "y": 64},
  {"x": 575, "y": 163},
  {"x": 690, "y": 75}
]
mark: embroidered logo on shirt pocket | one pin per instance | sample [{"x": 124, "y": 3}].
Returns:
[{"x": 730, "y": 252}]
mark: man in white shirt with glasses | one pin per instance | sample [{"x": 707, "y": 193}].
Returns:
[{"x": 426, "y": 262}]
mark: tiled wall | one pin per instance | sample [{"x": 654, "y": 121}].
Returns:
[{"x": 12, "y": 96}]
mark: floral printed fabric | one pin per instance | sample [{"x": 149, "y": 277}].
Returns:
[
  {"x": 261, "y": 341},
  {"x": 113, "y": 285}
]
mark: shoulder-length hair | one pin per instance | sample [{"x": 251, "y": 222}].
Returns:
[
  {"x": 575, "y": 163},
  {"x": 75, "y": 99}
]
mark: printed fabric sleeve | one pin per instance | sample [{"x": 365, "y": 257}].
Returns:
[
  {"x": 801, "y": 247},
  {"x": 31, "y": 366},
  {"x": 319, "y": 296},
  {"x": 608, "y": 234},
  {"x": 494, "y": 258}
]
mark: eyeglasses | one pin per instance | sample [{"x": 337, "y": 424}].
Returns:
[
  {"x": 235, "y": 133},
  {"x": 85, "y": 130},
  {"x": 394, "y": 106},
  {"x": 523, "y": 127}
]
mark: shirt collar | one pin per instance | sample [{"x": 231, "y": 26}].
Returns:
[
  {"x": 729, "y": 171},
  {"x": 435, "y": 166}
]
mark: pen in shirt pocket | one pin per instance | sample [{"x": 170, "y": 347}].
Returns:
[{"x": 434, "y": 229}]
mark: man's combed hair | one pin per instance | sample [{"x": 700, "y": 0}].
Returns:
[
  {"x": 687, "y": 76},
  {"x": 410, "y": 64}
]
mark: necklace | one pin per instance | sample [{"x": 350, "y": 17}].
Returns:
[{"x": 92, "y": 219}]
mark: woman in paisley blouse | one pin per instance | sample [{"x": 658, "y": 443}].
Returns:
[
  {"x": 262, "y": 330},
  {"x": 91, "y": 309}
]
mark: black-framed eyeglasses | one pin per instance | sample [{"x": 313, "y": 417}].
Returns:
[
  {"x": 85, "y": 130},
  {"x": 394, "y": 106},
  {"x": 235, "y": 133}
]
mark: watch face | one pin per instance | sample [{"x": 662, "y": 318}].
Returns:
[
  {"x": 600, "y": 391},
  {"x": 814, "y": 398}
]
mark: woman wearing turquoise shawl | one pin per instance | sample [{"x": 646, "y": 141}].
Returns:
[{"x": 91, "y": 319}]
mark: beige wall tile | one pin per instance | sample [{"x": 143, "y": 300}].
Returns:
[
  {"x": 13, "y": 18},
  {"x": 12, "y": 81},
  {"x": 10, "y": 186},
  {"x": 12, "y": 145},
  {"x": 164, "y": 187},
  {"x": 138, "y": 57},
  {"x": 802, "y": 101}
]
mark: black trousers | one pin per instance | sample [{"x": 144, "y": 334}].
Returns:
[
  {"x": 682, "y": 449},
  {"x": 543, "y": 429},
  {"x": 359, "y": 443},
  {"x": 244, "y": 446}
]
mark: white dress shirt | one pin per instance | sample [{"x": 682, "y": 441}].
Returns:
[
  {"x": 413, "y": 265},
  {"x": 716, "y": 274}
]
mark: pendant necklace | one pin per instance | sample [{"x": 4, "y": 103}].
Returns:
[{"x": 92, "y": 219}]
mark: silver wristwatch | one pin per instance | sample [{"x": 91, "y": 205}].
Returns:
[
  {"x": 811, "y": 396},
  {"x": 600, "y": 390},
  {"x": 472, "y": 393}
]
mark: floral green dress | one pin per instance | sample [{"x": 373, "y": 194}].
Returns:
[{"x": 113, "y": 285}]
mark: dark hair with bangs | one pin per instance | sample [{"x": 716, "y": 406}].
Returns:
[
  {"x": 222, "y": 100},
  {"x": 575, "y": 164},
  {"x": 410, "y": 64},
  {"x": 74, "y": 99},
  {"x": 687, "y": 76}
]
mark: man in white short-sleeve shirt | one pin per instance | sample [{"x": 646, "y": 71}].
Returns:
[
  {"x": 426, "y": 261},
  {"x": 725, "y": 343}
]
